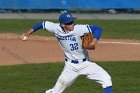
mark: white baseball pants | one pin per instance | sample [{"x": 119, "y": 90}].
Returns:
[{"x": 71, "y": 71}]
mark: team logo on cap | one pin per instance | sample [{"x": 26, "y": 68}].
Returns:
[{"x": 68, "y": 15}]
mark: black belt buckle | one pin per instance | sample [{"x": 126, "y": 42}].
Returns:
[
  {"x": 75, "y": 61},
  {"x": 84, "y": 59}
]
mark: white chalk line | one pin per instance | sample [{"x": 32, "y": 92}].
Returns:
[
  {"x": 124, "y": 43},
  {"x": 102, "y": 42}
]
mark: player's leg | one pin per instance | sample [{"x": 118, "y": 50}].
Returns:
[
  {"x": 107, "y": 90},
  {"x": 66, "y": 78},
  {"x": 97, "y": 73}
]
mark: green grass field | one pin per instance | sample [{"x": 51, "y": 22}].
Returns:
[
  {"x": 33, "y": 78},
  {"x": 124, "y": 29}
]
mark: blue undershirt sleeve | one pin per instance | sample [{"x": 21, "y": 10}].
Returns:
[
  {"x": 37, "y": 26},
  {"x": 97, "y": 31}
]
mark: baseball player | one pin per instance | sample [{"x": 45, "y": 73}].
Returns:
[{"x": 76, "y": 57}]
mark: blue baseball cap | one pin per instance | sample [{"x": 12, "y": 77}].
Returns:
[{"x": 65, "y": 17}]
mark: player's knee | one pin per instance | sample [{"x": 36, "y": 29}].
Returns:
[
  {"x": 61, "y": 84},
  {"x": 107, "y": 82},
  {"x": 64, "y": 81}
]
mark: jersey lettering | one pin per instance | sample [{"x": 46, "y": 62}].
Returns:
[{"x": 67, "y": 38}]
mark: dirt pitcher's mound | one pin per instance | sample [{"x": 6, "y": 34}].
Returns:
[{"x": 47, "y": 49}]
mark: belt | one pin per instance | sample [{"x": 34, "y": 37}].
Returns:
[{"x": 76, "y": 61}]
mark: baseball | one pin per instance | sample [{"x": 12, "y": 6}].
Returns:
[{"x": 24, "y": 38}]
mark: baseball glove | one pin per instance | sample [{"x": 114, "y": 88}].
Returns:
[{"x": 86, "y": 40}]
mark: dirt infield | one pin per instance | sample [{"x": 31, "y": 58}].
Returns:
[{"x": 46, "y": 49}]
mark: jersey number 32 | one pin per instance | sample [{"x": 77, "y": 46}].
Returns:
[{"x": 74, "y": 46}]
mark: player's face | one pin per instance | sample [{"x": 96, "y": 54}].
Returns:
[{"x": 69, "y": 26}]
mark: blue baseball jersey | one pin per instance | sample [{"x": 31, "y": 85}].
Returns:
[{"x": 70, "y": 42}]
